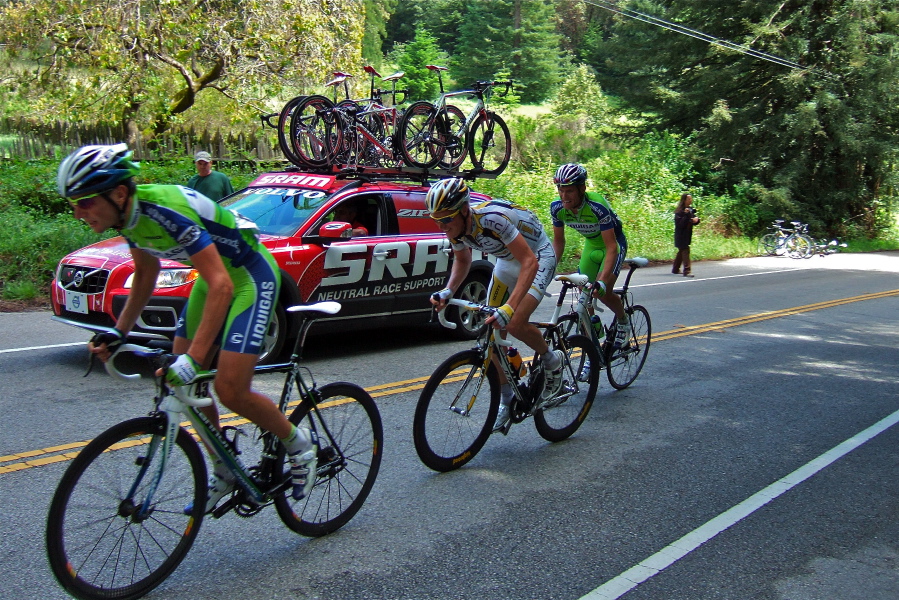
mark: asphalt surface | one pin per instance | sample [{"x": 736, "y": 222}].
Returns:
[{"x": 770, "y": 386}]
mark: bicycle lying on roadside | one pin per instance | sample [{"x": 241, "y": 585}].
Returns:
[
  {"x": 622, "y": 365},
  {"x": 130, "y": 505},
  {"x": 796, "y": 243},
  {"x": 459, "y": 403}
]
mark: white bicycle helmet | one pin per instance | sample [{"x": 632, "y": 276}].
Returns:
[
  {"x": 95, "y": 169},
  {"x": 447, "y": 194},
  {"x": 570, "y": 174}
]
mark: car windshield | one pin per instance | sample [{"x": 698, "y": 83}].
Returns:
[{"x": 275, "y": 210}]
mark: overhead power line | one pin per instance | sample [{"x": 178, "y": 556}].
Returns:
[{"x": 684, "y": 30}]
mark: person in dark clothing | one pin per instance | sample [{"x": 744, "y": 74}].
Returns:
[{"x": 684, "y": 220}]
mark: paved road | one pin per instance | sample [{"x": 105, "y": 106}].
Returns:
[{"x": 755, "y": 457}]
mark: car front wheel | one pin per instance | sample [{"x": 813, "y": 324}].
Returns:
[
  {"x": 274, "y": 337},
  {"x": 470, "y": 324}
]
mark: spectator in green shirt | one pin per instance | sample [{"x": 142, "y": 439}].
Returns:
[{"x": 212, "y": 184}]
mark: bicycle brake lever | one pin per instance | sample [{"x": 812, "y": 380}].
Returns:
[{"x": 91, "y": 358}]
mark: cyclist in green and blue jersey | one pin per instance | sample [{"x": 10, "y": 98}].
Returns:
[
  {"x": 605, "y": 245},
  {"x": 231, "y": 302}
]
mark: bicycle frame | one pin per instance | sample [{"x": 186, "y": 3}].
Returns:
[
  {"x": 173, "y": 401},
  {"x": 490, "y": 343}
]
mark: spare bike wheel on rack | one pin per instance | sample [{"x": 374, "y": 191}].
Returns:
[
  {"x": 101, "y": 541},
  {"x": 351, "y": 439},
  {"x": 312, "y": 123},
  {"x": 562, "y": 416},
  {"x": 456, "y": 411},
  {"x": 624, "y": 364},
  {"x": 453, "y": 136},
  {"x": 490, "y": 144},
  {"x": 284, "y": 140},
  {"x": 417, "y": 133}
]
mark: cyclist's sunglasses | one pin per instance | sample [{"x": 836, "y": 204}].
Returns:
[
  {"x": 84, "y": 203},
  {"x": 447, "y": 219}
]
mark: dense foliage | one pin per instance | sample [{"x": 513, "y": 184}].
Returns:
[
  {"x": 811, "y": 135},
  {"x": 819, "y": 140},
  {"x": 144, "y": 64}
]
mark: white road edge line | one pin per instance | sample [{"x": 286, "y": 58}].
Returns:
[
  {"x": 697, "y": 279},
  {"x": 44, "y": 347},
  {"x": 664, "y": 558}
]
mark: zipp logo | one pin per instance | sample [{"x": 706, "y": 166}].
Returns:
[
  {"x": 393, "y": 257},
  {"x": 410, "y": 212}
]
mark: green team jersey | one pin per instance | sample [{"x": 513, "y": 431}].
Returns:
[
  {"x": 592, "y": 218},
  {"x": 174, "y": 222}
]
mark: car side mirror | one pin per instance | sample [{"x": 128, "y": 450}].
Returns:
[{"x": 336, "y": 229}]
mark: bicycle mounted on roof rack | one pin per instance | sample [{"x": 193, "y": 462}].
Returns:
[{"x": 282, "y": 121}]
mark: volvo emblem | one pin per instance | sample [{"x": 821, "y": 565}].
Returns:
[{"x": 78, "y": 279}]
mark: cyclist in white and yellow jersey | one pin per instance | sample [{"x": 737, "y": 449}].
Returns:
[
  {"x": 525, "y": 265},
  {"x": 230, "y": 304},
  {"x": 605, "y": 245}
]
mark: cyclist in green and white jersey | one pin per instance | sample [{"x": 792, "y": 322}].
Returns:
[
  {"x": 605, "y": 245},
  {"x": 524, "y": 267},
  {"x": 230, "y": 305}
]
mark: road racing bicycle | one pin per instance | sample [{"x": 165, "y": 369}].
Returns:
[
  {"x": 622, "y": 365},
  {"x": 440, "y": 135},
  {"x": 130, "y": 505},
  {"x": 457, "y": 408}
]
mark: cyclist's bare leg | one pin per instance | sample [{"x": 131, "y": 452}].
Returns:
[
  {"x": 232, "y": 386},
  {"x": 614, "y": 303},
  {"x": 521, "y": 328}
]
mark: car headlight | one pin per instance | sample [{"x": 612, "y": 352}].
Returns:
[{"x": 169, "y": 278}]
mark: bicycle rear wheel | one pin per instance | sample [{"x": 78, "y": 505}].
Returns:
[
  {"x": 315, "y": 131},
  {"x": 351, "y": 439},
  {"x": 490, "y": 144},
  {"x": 453, "y": 138},
  {"x": 455, "y": 412},
  {"x": 580, "y": 379},
  {"x": 417, "y": 132},
  {"x": 98, "y": 543},
  {"x": 625, "y": 363}
]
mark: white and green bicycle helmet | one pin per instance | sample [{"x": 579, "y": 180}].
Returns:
[{"x": 95, "y": 169}]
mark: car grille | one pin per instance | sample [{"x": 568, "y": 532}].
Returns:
[{"x": 83, "y": 279}]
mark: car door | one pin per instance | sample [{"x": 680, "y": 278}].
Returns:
[
  {"x": 358, "y": 271},
  {"x": 429, "y": 256}
]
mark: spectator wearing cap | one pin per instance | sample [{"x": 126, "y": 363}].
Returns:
[{"x": 212, "y": 184}]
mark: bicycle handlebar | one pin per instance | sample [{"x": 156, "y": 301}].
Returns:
[
  {"x": 110, "y": 367},
  {"x": 472, "y": 306}
]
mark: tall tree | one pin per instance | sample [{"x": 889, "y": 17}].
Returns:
[
  {"x": 517, "y": 36},
  {"x": 144, "y": 62},
  {"x": 818, "y": 142},
  {"x": 412, "y": 59},
  {"x": 377, "y": 13}
]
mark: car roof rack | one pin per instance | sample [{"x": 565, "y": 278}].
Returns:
[{"x": 373, "y": 174}]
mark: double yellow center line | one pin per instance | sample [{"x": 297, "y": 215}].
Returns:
[{"x": 54, "y": 454}]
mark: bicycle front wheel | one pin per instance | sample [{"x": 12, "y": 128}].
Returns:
[
  {"x": 490, "y": 144},
  {"x": 350, "y": 439},
  {"x": 417, "y": 133},
  {"x": 580, "y": 378},
  {"x": 768, "y": 244},
  {"x": 100, "y": 542},
  {"x": 625, "y": 363},
  {"x": 456, "y": 411}
]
